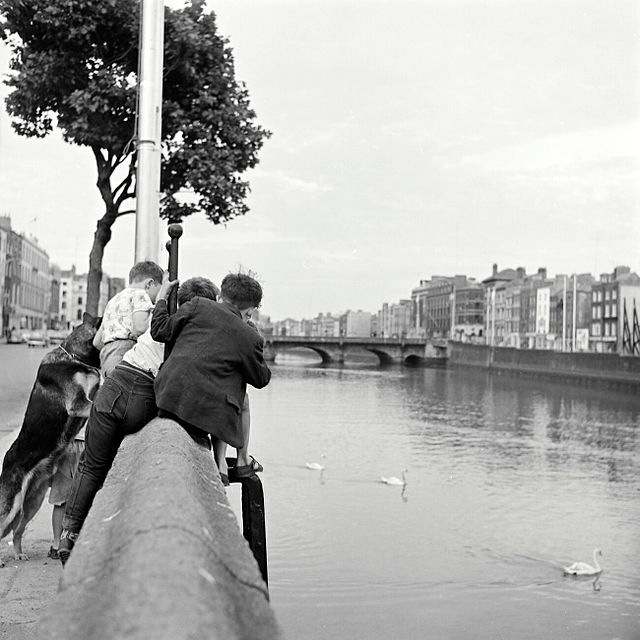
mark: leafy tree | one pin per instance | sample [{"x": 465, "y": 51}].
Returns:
[{"x": 74, "y": 65}]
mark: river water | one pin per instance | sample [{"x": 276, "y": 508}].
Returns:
[{"x": 508, "y": 479}]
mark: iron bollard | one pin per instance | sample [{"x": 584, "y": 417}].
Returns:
[
  {"x": 253, "y": 517},
  {"x": 175, "y": 231}
]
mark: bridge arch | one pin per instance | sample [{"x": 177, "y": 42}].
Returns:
[
  {"x": 413, "y": 360},
  {"x": 326, "y": 355},
  {"x": 383, "y": 356}
]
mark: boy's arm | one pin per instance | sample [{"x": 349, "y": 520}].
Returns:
[
  {"x": 254, "y": 369},
  {"x": 140, "y": 322},
  {"x": 165, "y": 327}
]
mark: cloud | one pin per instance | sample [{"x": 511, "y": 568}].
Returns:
[
  {"x": 578, "y": 148},
  {"x": 291, "y": 183}
]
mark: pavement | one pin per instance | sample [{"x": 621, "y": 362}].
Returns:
[{"x": 27, "y": 586}]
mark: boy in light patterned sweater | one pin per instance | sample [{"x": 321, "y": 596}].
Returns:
[{"x": 127, "y": 315}]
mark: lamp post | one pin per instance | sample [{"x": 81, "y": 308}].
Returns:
[{"x": 149, "y": 130}]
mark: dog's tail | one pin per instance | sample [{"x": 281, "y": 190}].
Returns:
[{"x": 13, "y": 488}]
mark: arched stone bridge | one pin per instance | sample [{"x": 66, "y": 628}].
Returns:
[{"x": 410, "y": 351}]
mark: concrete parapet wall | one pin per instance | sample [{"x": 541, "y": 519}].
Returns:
[
  {"x": 608, "y": 367},
  {"x": 161, "y": 554}
]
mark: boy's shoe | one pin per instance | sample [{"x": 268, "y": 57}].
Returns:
[
  {"x": 53, "y": 553},
  {"x": 246, "y": 471},
  {"x": 67, "y": 541}
]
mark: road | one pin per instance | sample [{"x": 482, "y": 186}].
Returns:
[{"x": 26, "y": 587}]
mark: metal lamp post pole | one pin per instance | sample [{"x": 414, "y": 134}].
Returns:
[{"x": 149, "y": 130}]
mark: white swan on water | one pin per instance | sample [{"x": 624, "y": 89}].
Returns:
[
  {"x": 584, "y": 569},
  {"x": 396, "y": 481},
  {"x": 315, "y": 466}
]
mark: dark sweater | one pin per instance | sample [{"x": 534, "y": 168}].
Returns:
[{"x": 214, "y": 355}]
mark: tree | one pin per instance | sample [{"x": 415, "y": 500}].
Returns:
[{"x": 74, "y": 65}]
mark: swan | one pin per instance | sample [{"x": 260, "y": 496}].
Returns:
[
  {"x": 584, "y": 569},
  {"x": 396, "y": 481},
  {"x": 315, "y": 466}
]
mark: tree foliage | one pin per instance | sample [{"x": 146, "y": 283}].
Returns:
[{"x": 74, "y": 66}]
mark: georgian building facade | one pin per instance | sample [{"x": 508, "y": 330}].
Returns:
[{"x": 27, "y": 284}]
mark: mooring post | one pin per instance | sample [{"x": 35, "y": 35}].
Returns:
[
  {"x": 175, "y": 231},
  {"x": 253, "y": 517}
]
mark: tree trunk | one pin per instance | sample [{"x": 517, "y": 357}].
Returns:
[{"x": 94, "y": 277}]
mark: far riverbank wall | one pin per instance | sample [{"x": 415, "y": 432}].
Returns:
[{"x": 588, "y": 368}]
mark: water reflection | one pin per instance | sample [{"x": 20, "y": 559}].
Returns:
[{"x": 508, "y": 479}]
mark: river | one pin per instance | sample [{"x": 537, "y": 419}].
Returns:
[{"x": 508, "y": 479}]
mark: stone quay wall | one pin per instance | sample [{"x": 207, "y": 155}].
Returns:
[
  {"x": 608, "y": 368},
  {"x": 161, "y": 554}
]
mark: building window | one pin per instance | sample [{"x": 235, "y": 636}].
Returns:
[
  {"x": 595, "y": 329},
  {"x": 79, "y": 315},
  {"x": 80, "y": 300},
  {"x": 614, "y": 331},
  {"x": 63, "y": 305}
]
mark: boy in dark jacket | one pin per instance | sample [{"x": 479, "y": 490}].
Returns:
[{"x": 214, "y": 354}]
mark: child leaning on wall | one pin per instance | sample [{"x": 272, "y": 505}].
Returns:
[{"x": 127, "y": 314}]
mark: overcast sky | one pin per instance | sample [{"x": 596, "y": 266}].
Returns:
[{"x": 409, "y": 139}]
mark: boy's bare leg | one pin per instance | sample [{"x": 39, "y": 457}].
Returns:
[
  {"x": 56, "y": 523},
  {"x": 219, "y": 454},
  {"x": 244, "y": 458}
]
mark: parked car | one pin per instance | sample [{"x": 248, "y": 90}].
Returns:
[
  {"x": 56, "y": 337},
  {"x": 17, "y": 336},
  {"x": 37, "y": 339}
]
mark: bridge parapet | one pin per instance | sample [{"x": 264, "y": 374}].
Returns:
[{"x": 335, "y": 348}]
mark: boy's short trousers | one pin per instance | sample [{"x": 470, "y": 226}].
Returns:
[
  {"x": 63, "y": 477},
  {"x": 112, "y": 353}
]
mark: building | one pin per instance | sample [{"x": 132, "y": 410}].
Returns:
[
  {"x": 357, "y": 324},
  {"x": 571, "y": 327},
  {"x": 325, "y": 325},
  {"x": 287, "y": 327},
  {"x": 4, "y": 240},
  {"x": 27, "y": 288},
  {"x": 447, "y": 307},
  {"x": 615, "y": 307},
  {"x": 393, "y": 320},
  {"x": 73, "y": 296},
  {"x": 499, "y": 320},
  {"x": 468, "y": 310}
]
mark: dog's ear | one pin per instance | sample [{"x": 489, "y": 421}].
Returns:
[{"x": 93, "y": 321}]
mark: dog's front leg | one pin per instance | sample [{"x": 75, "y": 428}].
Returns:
[{"x": 17, "y": 546}]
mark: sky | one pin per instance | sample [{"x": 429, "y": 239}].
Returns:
[{"x": 410, "y": 138}]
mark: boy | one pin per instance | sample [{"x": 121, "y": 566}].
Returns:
[
  {"x": 126, "y": 315},
  {"x": 61, "y": 483},
  {"x": 123, "y": 405},
  {"x": 214, "y": 355}
]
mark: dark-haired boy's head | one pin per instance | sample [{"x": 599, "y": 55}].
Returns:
[
  {"x": 241, "y": 290},
  {"x": 201, "y": 287},
  {"x": 145, "y": 270}
]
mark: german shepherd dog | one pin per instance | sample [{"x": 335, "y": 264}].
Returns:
[{"x": 57, "y": 409}]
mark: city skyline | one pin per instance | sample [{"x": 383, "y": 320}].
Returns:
[
  {"x": 377, "y": 309},
  {"x": 423, "y": 138}
]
